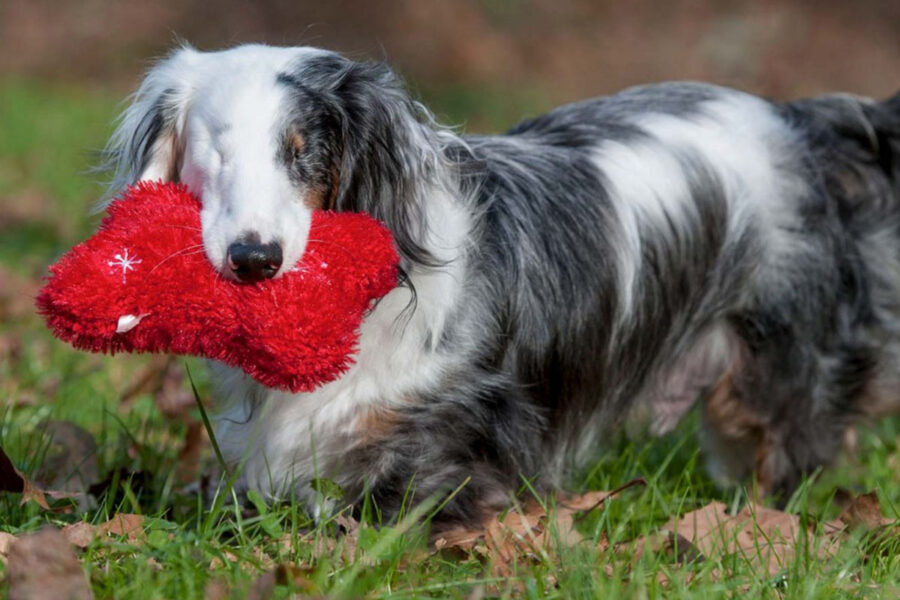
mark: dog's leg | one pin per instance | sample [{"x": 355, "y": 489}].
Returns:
[{"x": 784, "y": 408}]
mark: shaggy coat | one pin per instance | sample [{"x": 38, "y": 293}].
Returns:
[{"x": 615, "y": 259}]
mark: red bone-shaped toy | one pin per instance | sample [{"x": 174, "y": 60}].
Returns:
[{"x": 142, "y": 283}]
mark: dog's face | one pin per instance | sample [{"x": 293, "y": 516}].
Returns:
[
  {"x": 264, "y": 136},
  {"x": 239, "y": 155}
]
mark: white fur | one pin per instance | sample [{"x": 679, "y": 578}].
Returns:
[
  {"x": 229, "y": 111},
  {"x": 739, "y": 136},
  {"x": 288, "y": 437}
]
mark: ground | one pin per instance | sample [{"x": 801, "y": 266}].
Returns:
[{"x": 141, "y": 448}]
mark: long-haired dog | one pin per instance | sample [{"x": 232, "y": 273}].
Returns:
[{"x": 625, "y": 255}]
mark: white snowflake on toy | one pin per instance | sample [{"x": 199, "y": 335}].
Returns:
[{"x": 124, "y": 262}]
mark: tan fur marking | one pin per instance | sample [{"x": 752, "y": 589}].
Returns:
[
  {"x": 314, "y": 198},
  {"x": 297, "y": 142},
  {"x": 738, "y": 425},
  {"x": 729, "y": 415},
  {"x": 374, "y": 425}
]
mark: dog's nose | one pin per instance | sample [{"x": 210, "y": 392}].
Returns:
[{"x": 254, "y": 262}]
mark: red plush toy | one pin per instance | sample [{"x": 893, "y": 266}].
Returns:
[{"x": 142, "y": 283}]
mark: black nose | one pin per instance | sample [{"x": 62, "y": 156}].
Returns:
[{"x": 254, "y": 262}]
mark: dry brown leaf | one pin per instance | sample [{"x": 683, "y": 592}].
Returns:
[
  {"x": 79, "y": 534},
  {"x": 532, "y": 518},
  {"x": 764, "y": 536},
  {"x": 861, "y": 511},
  {"x": 123, "y": 524},
  {"x": 32, "y": 492},
  {"x": 679, "y": 549},
  {"x": 43, "y": 566},
  {"x": 12, "y": 480},
  {"x": 126, "y": 525},
  {"x": 526, "y": 532},
  {"x": 70, "y": 465},
  {"x": 350, "y": 536}
]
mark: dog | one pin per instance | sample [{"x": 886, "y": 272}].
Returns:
[{"x": 615, "y": 259}]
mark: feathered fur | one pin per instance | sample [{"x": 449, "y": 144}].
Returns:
[{"x": 627, "y": 255}]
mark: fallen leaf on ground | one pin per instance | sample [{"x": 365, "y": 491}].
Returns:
[
  {"x": 43, "y": 566},
  {"x": 862, "y": 510},
  {"x": 126, "y": 525},
  {"x": 526, "y": 532},
  {"x": 70, "y": 464},
  {"x": 678, "y": 548},
  {"x": 12, "y": 480},
  {"x": 764, "y": 536},
  {"x": 80, "y": 534}
]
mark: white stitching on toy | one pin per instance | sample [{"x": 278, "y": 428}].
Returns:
[{"x": 125, "y": 262}]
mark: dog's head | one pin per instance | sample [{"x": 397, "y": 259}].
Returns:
[{"x": 264, "y": 136}]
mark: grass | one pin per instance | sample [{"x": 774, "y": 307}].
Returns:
[{"x": 47, "y": 135}]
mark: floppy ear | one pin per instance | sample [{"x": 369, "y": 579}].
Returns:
[
  {"x": 388, "y": 147},
  {"x": 145, "y": 144}
]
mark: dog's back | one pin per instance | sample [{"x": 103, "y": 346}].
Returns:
[
  {"x": 731, "y": 249},
  {"x": 635, "y": 253}
]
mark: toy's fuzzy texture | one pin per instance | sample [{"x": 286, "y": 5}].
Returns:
[{"x": 142, "y": 283}]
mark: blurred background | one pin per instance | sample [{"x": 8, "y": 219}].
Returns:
[
  {"x": 480, "y": 64},
  {"x": 542, "y": 51}
]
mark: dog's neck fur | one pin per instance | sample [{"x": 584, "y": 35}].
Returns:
[{"x": 400, "y": 357}]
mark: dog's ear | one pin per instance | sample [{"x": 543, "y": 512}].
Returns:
[
  {"x": 388, "y": 149},
  {"x": 145, "y": 144}
]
